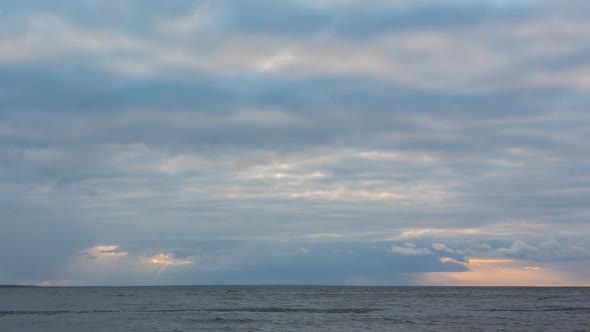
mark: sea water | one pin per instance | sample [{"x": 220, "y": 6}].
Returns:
[{"x": 278, "y": 308}]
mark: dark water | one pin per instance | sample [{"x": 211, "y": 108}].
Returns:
[{"x": 295, "y": 309}]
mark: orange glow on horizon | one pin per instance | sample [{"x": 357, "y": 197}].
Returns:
[
  {"x": 478, "y": 261},
  {"x": 499, "y": 272},
  {"x": 49, "y": 283}
]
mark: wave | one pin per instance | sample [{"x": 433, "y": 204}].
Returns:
[
  {"x": 543, "y": 309},
  {"x": 252, "y": 310}
]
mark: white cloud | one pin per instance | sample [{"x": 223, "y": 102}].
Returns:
[
  {"x": 302, "y": 251},
  {"x": 442, "y": 247},
  {"x": 409, "y": 249}
]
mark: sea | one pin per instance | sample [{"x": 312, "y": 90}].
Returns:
[{"x": 294, "y": 308}]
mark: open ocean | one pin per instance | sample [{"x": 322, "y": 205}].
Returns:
[{"x": 275, "y": 308}]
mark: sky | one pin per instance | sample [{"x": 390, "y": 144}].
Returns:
[{"x": 341, "y": 142}]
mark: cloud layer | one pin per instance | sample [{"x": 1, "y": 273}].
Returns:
[{"x": 342, "y": 142}]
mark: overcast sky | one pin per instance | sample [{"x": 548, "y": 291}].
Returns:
[{"x": 373, "y": 142}]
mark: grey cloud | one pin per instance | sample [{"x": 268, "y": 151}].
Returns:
[
  {"x": 207, "y": 154},
  {"x": 365, "y": 20},
  {"x": 349, "y": 265},
  {"x": 549, "y": 250},
  {"x": 444, "y": 248},
  {"x": 133, "y": 16},
  {"x": 291, "y": 17},
  {"x": 519, "y": 249}
]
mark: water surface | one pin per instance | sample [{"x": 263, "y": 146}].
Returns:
[{"x": 221, "y": 308}]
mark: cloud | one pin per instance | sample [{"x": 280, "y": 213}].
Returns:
[
  {"x": 519, "y": 249},
  {"x": 548, "y": 250},
  {"x": 532, "y": 268},
  {"x": 302, "y": 251},
  {"x": 168, "y": 259},
  {"x": 424, "y": 57},
  {"x": 223, "y": 133},
  {"x": 442, "y": 247},
  {"x": 409, "y": 249},
  {"x": 103, "y": 252}
]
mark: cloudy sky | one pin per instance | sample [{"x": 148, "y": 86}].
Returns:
[{"x": 373, "y": 142}]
